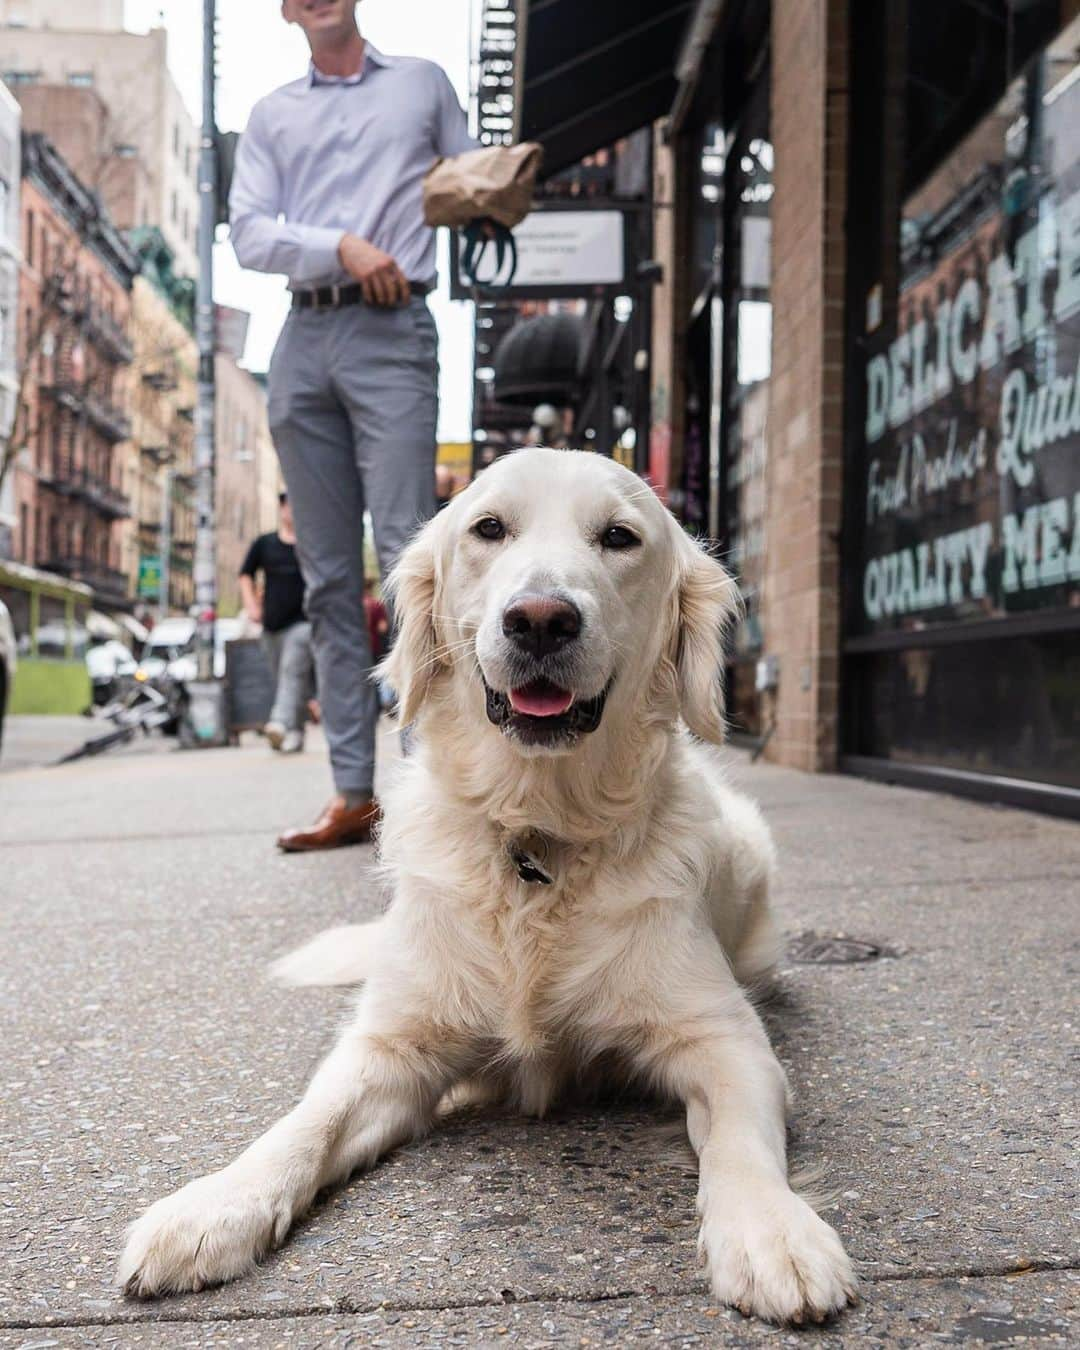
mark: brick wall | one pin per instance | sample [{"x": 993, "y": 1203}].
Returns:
[{"x": 801, "y": 594}]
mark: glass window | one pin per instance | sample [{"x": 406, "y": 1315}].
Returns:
[
  {"x": 963, "y": 476},
  {"x": 81, "y": 79},
  {"x": 1006, "y": 706},
  {"x": 969, "y": 490}
]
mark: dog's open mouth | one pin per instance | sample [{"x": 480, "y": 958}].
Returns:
[{"x": 543, "y": 713}]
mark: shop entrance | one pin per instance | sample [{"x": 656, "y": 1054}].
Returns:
[{"x": 728, "y": 365}]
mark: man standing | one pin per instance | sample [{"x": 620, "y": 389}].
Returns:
[
  {"x": 328, "y": 189},
  {"x": 286, "y": 632}
]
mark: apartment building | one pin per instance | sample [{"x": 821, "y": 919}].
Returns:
[
  {"x": 145, "y": 117},
  {"x": 158, "y": 540},
  {"x": 10, "y": 255},
  {"x": 246, "y": 471},
  {"x": 72, "y": 423}
]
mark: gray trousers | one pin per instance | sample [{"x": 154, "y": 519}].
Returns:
[
  {"x": 289, "y": 653},
  {"x": 353, "y": 401}
]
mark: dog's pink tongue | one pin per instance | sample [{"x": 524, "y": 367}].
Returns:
[{"x": 540, "y": 699}]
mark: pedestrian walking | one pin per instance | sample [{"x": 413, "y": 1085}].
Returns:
[
  {"x": 328, "y": 190},
  {"x": 279, "y": 607}
]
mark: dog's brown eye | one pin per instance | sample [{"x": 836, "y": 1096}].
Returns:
[
  {"x": 618, "y": 536},
  {"x": 488, "y": 527}
]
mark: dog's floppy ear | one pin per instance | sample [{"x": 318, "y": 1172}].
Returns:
[
  {"x": 413, "y": 660},
  {"x": 707, "y": 599}
]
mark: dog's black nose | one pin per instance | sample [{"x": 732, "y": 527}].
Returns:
[{"x": 541, "y": 624}]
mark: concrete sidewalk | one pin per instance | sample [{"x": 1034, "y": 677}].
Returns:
[{"x": 141, "y": 898}]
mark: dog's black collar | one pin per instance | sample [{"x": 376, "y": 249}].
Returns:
[{"x": 528, "y": 868}]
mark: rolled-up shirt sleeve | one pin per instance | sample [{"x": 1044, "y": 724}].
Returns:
[
  {"x": 452, "y": 126},
  {"x": 262, "y": 240}
]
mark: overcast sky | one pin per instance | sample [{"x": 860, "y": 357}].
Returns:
[{"x": 257, "y": 51}]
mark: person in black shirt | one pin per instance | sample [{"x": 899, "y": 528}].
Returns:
[{"x": 286, "y": 631}]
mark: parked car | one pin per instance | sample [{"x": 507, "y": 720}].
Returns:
[
  {"x": 8, "y": 662},
  {"x": 171, "y": 648},
  {"x": 169, "y": 640}
]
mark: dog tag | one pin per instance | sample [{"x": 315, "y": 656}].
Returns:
[{"x": 528, "y": 869}]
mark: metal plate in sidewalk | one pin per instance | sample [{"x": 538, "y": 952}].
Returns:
[{"x": 826, "y": 949}]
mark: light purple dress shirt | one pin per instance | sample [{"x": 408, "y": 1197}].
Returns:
[{"x": 323, "y": 157}]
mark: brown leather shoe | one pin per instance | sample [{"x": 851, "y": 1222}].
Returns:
[{"x": 337, "y": 825}]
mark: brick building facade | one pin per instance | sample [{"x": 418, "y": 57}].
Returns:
[
  {"x": 145, "y": 117},
  {"x": 247, "y": 476},
  {"x": 865, "y": 355},
  {"x": 894, "y": 246},
  {"x": 72, "y": 423},
  {"x": 158, "y": 540}
]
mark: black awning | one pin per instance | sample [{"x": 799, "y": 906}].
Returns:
[
  {"x": 539, "y": 361},
  {"x": 595, "y": 72}
]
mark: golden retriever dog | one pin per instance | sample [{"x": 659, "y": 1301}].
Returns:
[{"x": 574, "y": 887}]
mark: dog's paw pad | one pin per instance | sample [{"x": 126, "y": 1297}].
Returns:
[{"x": 779, "y": 1260}]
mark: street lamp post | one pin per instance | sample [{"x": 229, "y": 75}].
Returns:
[{"x": 205, "y": 552}]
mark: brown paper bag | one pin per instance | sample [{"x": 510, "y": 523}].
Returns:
[{"x": 496, "y": 181}]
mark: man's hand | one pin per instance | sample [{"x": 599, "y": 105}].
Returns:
[
  {"x": 382, "y": 281},
  {"x": 254, "y": 612}
]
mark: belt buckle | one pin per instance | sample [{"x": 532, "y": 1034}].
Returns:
[{"x": 335, "y": 296}]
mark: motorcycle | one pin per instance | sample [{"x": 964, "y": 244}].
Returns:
[{"x": 142, "y": 703}]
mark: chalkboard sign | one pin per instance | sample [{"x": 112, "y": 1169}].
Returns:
[{"x": 249, "y": 685}]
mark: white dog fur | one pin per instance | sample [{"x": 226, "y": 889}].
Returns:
[{"x": 656, "y": 914}]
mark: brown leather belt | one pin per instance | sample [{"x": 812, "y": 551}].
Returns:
[{"x": 333, "y": 297}]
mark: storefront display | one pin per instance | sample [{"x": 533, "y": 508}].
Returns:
[{"x": 963, "y": 583}]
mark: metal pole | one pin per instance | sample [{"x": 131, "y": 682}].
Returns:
[
  {"x": 205, "y": 552},
  {"x": 717, "y": 527},
  {"x": 165, "y": 552}
]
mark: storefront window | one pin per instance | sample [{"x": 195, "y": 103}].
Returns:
[
  {"x": 964, "y": 435},
  {"x": 972, "y": 424}
]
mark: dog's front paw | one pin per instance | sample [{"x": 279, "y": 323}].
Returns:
[
  {"x": 212, "y": 1230},
  {"x": 772, "y": 1256}
]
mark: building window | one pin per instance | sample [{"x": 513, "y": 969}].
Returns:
[
  {"x": 17, "y": 77},
  {"x": 126, "y": 151},
  {"x": 24, "y": 532},
  {"x": 4, "y": 199},
  {"x": 174, "y": 207},
  {"x": 29, "y": 238},
  {"x": 81, "y": 79},
  {"x": 176, "y": 139},
  {"x": 963, "y": 543}
]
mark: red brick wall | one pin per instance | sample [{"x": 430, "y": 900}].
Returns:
[
  {"x": 55, "y": 246},
  {"x": 801, "y": 599}
]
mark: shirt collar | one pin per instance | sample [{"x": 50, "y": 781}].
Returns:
[{"x": 371, "y": 53}]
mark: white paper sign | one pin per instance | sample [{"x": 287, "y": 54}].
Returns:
[{"x": 570, "y": 248}]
